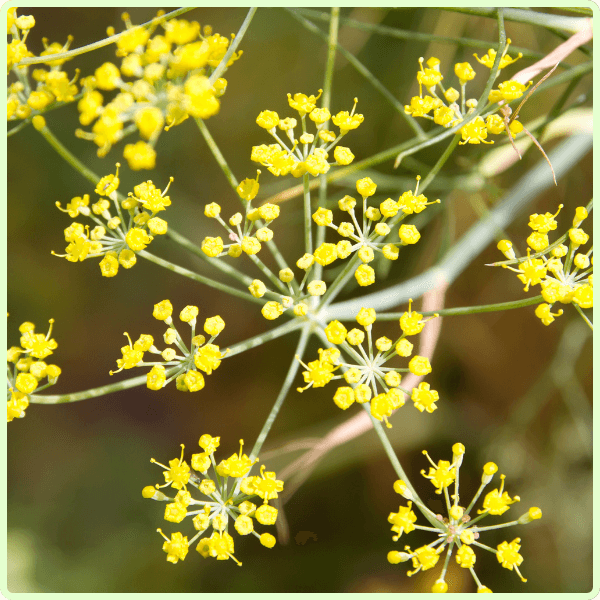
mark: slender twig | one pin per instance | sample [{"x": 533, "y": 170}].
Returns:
[
  {"x": 35, "y": 60},
  {"x": 469, "y": 310},
  {"x": 232, "y": 47},
  {"x": 414, "y": 36},
  {"x": 287, "y": 384},
  {"x": 571, "y": 24},
  {"x": 199, "y": 278},
  {"x": 414, "y": 125},
  {"x": 564, "y": 156}
]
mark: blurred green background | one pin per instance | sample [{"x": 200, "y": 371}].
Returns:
[{"x": 512, "y": 390}]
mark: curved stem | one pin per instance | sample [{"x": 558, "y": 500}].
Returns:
[
  {"x": 212, "y": 145},
  {"x": 414, "y": 125},
  {"x": 308, "y": 247},
  {"x": 200, "y": 278},
  {"x": 326, "y": 103},
  {"x": 260, "y": 339},
  {"x": 127, "y": 384},
  {"x": 218, "y": 263},
  {"x": 232, "y": 47},
  {"x": 469, "y": 310},
  {"x": 287, "y": 384},
  {"x": 68, "y": 156},
  {"x": 36, "y": 60},
  {"x": 415, "y": 36}
]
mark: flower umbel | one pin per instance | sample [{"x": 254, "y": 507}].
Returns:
[
  {"x": 26, "y": 368},
  {"x": 203, "y": 356},
  {"x": 564, "y": 273},
  {"x": 459, "y": 530},
  {"x": 367, "y": 238},
  {"x": 162, "y": 80},
  {"x": 368, "y": 380},
  {"x": 116, "y": 237},
  {"x": 308, "y": 153},
  {"x": 225, "y": 492}
]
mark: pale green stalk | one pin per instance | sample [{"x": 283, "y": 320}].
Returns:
[
  {"x": 20, "y": 126},
  {"x": 414, "y": 36},
  {"x": 578, "y": 309},
  {"x": 218, "y": 263},
  {"x": 287, "y": 385},
  {"x": 232, "y": 47},
  {"x": 326, "y": 103},
  {"x": 212, "y": 145},
  {"x": 68, "y": 156},
  {"x": 398, "y": 106},
  {"x": 262, "y": 338},
  {"x": 569, "y": 24},
  {"x": 36, "y": 60},
  {"x": 308, "y": 247},
  {"x": 269, "y": 274},
  {"x": 468, "y": 310},
  {"x": 197, "y": 277},
  {"x": 127, "y": 384}
]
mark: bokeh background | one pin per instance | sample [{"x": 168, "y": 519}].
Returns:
[{"x": 512, "y": 390}]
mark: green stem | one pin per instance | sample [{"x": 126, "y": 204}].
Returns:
[
  {"x": 533, "y": 183},
  {"x": 260, "y": 339},
  {"x": 414, "y": 36},
  {"x": 307, "y": 216},
  {"x": 70, "y": 158},
  {"x": 412, "y": 123},
  {"x": 287, "y": 384},
  {"x": 336, "y": 287},
  {"x": 233, "y": 182},
  {"x": 481, "y": 104},
  {"x": 218, "y": 263},
  {"x": 208, "y": 138},
  {"x": 20, "y": 126},
  {"x": 269, "y": 274},
  {"x": 326, "y": 103},
  {"x": 469, "y": 310},
  {"x": 127, "y": 384},
  {"x": 389, "y": 450},
  {"x": 232, "y": 47},
  {"x": 578, "y": 309},
  {"x": 200, "y": 278},
  {"x": 570, "y": 24},
  {"x": 439, "y": 164},
  {"x": 35, "y": 60}
]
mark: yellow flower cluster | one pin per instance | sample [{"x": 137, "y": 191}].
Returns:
[
  {"x": 365, "y": 373},
  {"x": 308, "y": 153},
  {"x": 26, "y": 368},
  {"x": 170, "y": 82},
  {"x": 565, "y": 274},
  {"x": 450, "y": 107},
  {"x": 117, "y": 237},
  {"x": 240, "y": 229},
  {"x": 458, "y": 530},
  {"x": 27, "y": 98},
  {"x": 186, "y": 368},
  {"x": 363, "y": 240},
  {"x": 226, "y": 490}
]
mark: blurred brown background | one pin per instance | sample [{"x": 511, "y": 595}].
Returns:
[{"x": 512, "y": 390}]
